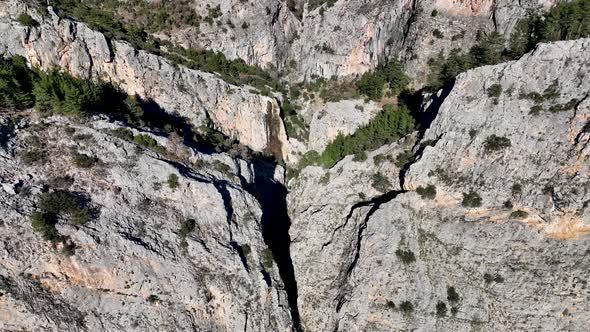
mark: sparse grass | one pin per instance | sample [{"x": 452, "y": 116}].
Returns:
[
  {"x": 33, "y": 157},
  {"x": 83, "y": 160}
]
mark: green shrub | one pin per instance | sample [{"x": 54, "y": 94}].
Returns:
[
  {"x": 488, "y": 278},
  {"x": 428, "y": 192},
  {"x": 434, "y": 13},
  {"x": 406, "y": 307},
  {"x": 66, "y": 204},
  {"x": 564, "y": 21},
  {"x": 360, "y": 156},
  {"x": 26, "y": 20},
  {"x": 496, "y": 143},
  {"x": 381, "y": 183},
  {"x": 519, "y": 214},
  {"x": 83, "y": 160},
  {"x": 380, "y": 158},
  {"x": 487, "y": 51},
  {"x": 441, "y": 309},
  {"x": 371, "y": 83},
  {"x": 267, "y": 259},
  {"x": 438, "y": 34},
  {"x": 404, "y": 158},
  {"x": 44, "y": 224},
  {"x": 148, "y": 142},
  {"x": 452, "y": 295},
  {"x": 536, "y": 109},
  {"x": 16, "y": 84},
  {"x": 406, "y": 256},
  {"x": 153, "y": 298},
  {"x": 495, "y": 90},
  {"x": 173, "y": 181},
  {"x": 62, "y": 93},
  {"x": 471, "y": 199},
  {"x": 516, "y": 188},
  {"x": 386, "y": 127},
  {"x": 186, "y": 227}
]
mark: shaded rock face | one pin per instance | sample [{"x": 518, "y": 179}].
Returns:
[
  {"x": 349, "y": 37},
  {"x": 200, "y": 97},
  {"x": 135, "y": 267},
  {"x": 515, "y": 261}
]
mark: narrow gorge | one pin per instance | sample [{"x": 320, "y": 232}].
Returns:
[{"x": 298, "y": 165}]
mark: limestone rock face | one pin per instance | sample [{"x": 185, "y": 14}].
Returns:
[
  {"x": 348, "y": 37},
  {"x": 327, "y": 120},
  {"x": 198, "y": 96},
  {"x": 501, "y": 245},
  {"x": 133, "y": 268}
]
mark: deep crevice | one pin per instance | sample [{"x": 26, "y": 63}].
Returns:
[
  {"x": 272, "y": 196},
  {"x": 424, "y": 117}
]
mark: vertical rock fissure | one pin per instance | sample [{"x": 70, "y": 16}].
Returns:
[
  {"x": 425, "y": 118},
  {"x": 272, "y": 197}
]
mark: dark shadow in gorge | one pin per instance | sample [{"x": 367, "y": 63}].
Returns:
[{"x": 272, "y": 196}]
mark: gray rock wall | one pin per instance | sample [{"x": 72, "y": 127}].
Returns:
[
  {"x": 251, "y": 118},
  {"x": 384, "y": 262},
  {"x": 132, "y": 268}
]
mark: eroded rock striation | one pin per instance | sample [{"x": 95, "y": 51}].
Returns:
[
  {"x": 168, "y": 245},
  {"x": 198, "y": 96},
  {"x": 307, "y": 39},
  {"x": 501, "y": 245},
  {"x": 478, "y": 220}
]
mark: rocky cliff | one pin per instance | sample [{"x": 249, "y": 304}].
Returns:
[
  {"x": 478, "y": 220},
  {"x": 499, "y": 240},
  {"x": 200, "y": 97},
  {"x": 307, "y": 39},
  {"x": 156, "y": 253}
]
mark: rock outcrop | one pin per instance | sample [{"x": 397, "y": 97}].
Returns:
[
  {"x": 198, "y": 96},
  {"x": 137, "y": 264},
  {"x": 502, "y": 243},
  {"x": 307, "y": 39}
]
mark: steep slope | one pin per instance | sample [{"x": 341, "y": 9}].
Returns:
[
  {"x": 500, "y": 246},
  {"x": 200, "y": 97},
  {"x": 305, "y": 39},
  {"x": 152, "y": 243}
]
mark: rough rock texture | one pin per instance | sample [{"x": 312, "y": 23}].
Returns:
[
  {"x": 327, "y": 120},
  {"x": 349, "y": 37},
  {"x": 251, "y": 118},
  {"x": 403, "y": 262},
  {"x": 132, "y": 268}
]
